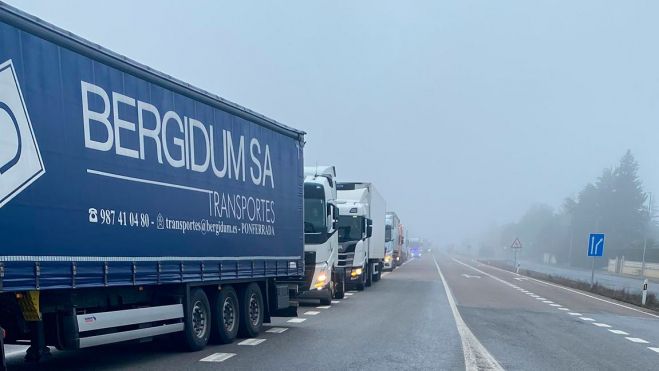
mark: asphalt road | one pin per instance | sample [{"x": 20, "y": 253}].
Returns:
[
  {"x": 401, "y": 322},
  {"x": 531, "y": 325},
  {"x": 491, "y": 319}
]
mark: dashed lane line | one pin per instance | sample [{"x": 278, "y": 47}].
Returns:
[
  {"x": 311, "y": 313},
  {"x": 654, "y": 349},
  {"x": 586, "y": 319},
  {"x": 296, "y": 320},
  {"x": 636, "y": 340},
  {"x": 349, "y": 294},
  {"x": 568, "y": 289},
  {"x": 619, "y": 332},
  {"x": 324, "y": 307},
  {"x": 575, "y": 314},
  {"x": 563, "y": 308},
  {"x": 335, "y": 302},
  {"x": 554, "y": 305},
  {"x": 276, "y": 330},
  {"x": 601, "y": 324},
  {"x": 217, "y": 357},
  {"x": 251, "y": 342},
  {"x": 476, "y": 357}
]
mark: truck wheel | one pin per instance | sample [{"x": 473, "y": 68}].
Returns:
[
  {"x": 377, "y": 277},
  {"x": 225, "y": 315},
  {"x": 197, "y": 321},
  {"x": 331, "y": 289},
  {"x": 369, "y": 275},
  {"x": 251, "y": 311},
  {"x": 340, "y": 288}
]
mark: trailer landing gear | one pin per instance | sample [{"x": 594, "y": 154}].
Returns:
[{"x": 38, "y": 349}]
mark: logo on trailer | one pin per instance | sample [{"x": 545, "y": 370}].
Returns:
[{"x": 20, "y": 159}]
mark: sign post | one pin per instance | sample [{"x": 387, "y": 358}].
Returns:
[
  {"x": 595, "y": 249},
  {"x": 645, "y": 292},
  {"x": 517, "y": 244}
]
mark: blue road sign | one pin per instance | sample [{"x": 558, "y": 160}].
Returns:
[{"x": 596, "y": 244}]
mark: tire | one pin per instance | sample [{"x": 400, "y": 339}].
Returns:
[
  {"x": 369, "y": 275},
  {"x": 251, "y": 311},
  {"x": 331, "y": 289},
  {"x": 197, "y": 321},
  {"x": 377, "y": 277},
  {"x": 225, "y": 316},
  {"x": 340, "y": 291}
]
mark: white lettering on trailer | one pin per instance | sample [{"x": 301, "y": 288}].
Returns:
[{"x": 178, "y": 139}]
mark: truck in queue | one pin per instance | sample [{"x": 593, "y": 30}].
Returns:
[
  {"x": 392, "y": 251},
  {"x": 134, "y": 205},
  {"x": 324, "y": 279},
  {"x": 361, "y": 233}
]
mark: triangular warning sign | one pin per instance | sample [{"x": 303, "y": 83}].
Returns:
[{"x": 517, "y": 244}]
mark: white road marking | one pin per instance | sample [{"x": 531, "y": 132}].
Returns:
[
  {"x": 601, "y": 324},
  {"x": 575, "y": 314},
  {"x": 277, "y": 330},
  {"x": 311, "y": 313},
  {"x": 654, "y": 349},
  {"x": 563, "y": 308},
  {"x": 385, "y": 274},
  {"x": 547, "y": 301},
  {"x": 353, "y": 291},
  {"x": 335, "y": 302},
  {"x": 296, "y": 320},
  {"x": 555, "y": 305},
  {"x": 217, "y": 357},
  {"x": 535, "y": 296},
  {"x": 251, "y": 342},
  {"x": 565, "y": 288},
  {"x": 324, "y": 307},
  {"x": 636, "y": 340},
  {"x": 541, "y": 298},
  {"x": 349, "y": 294},
  {"x": 15, "y": 353},
  {"x": 586, "y": 319},
  {"x": 619, "y": 332},
  {"x": 475, "y": 355}
]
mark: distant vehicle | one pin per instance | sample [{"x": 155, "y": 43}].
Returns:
[
  {"x": 416, "y": 247},
  {"x": 393, "y": 241},
  {"x": 324, "y": 280},
  {"x": 361, "y": 232},
  {"x": 139, "y": 206}
]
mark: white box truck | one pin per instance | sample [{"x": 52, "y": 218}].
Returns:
[{"x": 361, "y": 232}]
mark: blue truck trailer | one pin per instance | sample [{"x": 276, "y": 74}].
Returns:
[{"x": 134, "y": 205}]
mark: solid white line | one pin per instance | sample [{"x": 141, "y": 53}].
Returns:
[
  {"x": 636, "y": 340},
  {"x": 575, "y": 314},
  {"x": 324, "y": 307},
  {"x": 311, "y": 313},
  {"x": 654, "y": 349},
  {"x": 574, "y": 291},
  {"x": 276, "y": 330},
  {"x": 217, "y": 357},
  {"x": 147, "y": 181},
  {"x": 475, "y": 355},
  {"x": 296, "y": 320},
  {"x": 619, "y": 332},
  {"x": 251, "y": 341},
  {"x": 601, "y": 324},
  {"x": 586, "y": 319}
]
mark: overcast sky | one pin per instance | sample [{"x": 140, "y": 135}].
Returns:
[{"x": 463, "y": 113}]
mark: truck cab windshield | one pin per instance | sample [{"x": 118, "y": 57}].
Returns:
[
  {"x": 351, "y": 228},
  {"x": 314, "y": 214}
]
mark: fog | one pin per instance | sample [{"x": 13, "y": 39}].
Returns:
[{"x": 463, "y": 113}]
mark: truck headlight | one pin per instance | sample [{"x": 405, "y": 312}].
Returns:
[
  {"x": 356, "y": 272},
  {"x": 322, "y": 279},
  {"x": 387, "y": 259}
]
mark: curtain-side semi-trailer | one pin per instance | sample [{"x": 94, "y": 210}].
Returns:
[
  {"x": 392, "y": 241},
  {"x": 361, "y": 232},
  {"x": 134, "y": 205}
]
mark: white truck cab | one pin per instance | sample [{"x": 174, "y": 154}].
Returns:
[
  {"x": 321, "y": 242},
  {"x": 361, "y": 232}
]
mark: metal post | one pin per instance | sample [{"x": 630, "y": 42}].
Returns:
[
  {"x": 645, "y": 240},
  {"x": 515, "y": 266},
  {"x": 592, "y": 275}
]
